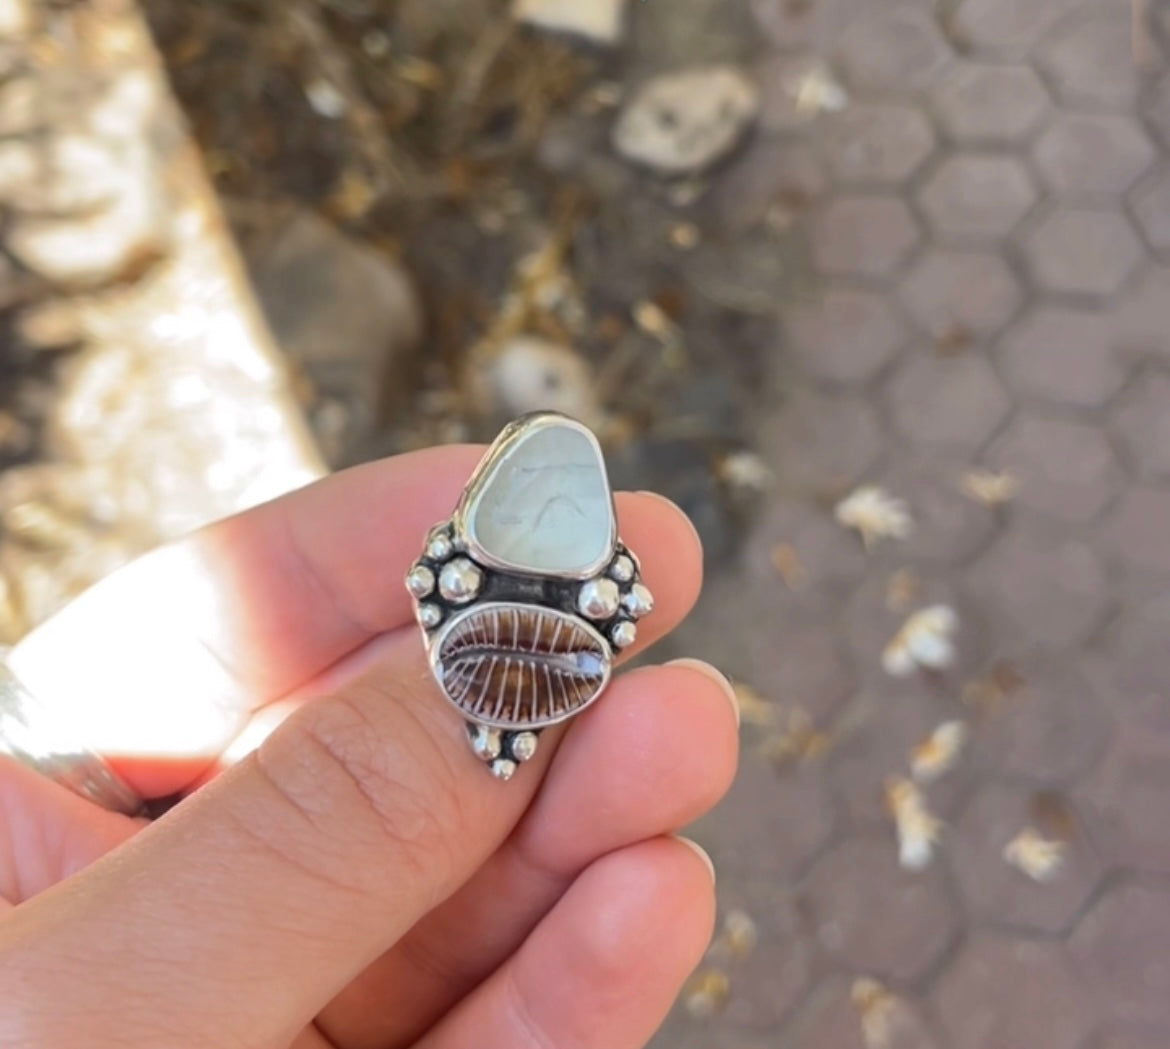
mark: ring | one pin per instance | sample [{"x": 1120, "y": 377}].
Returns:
[
  {"x": 526, "y": 595},
  {"x": 30, "y": 734}
]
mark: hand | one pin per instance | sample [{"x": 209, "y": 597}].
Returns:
[{"x": 346, "y": 873}]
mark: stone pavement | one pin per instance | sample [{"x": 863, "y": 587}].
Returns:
[{"x": 987, "y": 222}]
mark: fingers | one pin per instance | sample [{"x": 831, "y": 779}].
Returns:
[
  {"x": 653, "y": 755},
  {"x": 602, "y": 969},
  {"x": 48, "y": 833},
  {"x": 168, "y": 658},
  {"x": 278, "y": 883}
]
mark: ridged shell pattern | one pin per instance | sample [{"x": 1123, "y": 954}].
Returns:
[{"x": 510, "y": 665}]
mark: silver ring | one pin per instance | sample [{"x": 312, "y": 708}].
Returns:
[
  {"x": 526, "y": 595},
  {"x": 33, "y": 736}
]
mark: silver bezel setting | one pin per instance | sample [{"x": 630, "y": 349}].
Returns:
[{"x": 514, "y": 588}]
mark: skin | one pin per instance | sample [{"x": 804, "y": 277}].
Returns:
[{"x": 342, "y": 871}]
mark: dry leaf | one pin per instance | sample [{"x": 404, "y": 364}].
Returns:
[
  {"x": 902, "y": 590},
  {"x": 789, "y": 566},
  {"x": 876, "y": 514},
  {"x": 918, "y": 829},
  {"x": 801, "y": 740},
  {"x": 925, "y": 640},
  {"x": 878, "y": 1009},
  {"x": 936, "y": 756},
  {"x": 707, "y": 992},
  {"x": 1038, "y": 857},
  {"x": 988, "y": 692},
  {"x": 754, "y": 709},
  {"x": 990, "y": 489}
]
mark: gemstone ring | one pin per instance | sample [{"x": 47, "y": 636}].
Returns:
[{"x": 526, "y": 595}]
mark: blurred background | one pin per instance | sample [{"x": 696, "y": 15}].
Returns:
[{"x": 877, "y": 290}]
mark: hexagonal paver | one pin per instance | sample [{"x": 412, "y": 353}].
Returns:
[
  {"x": 877, "y": 143},
  {"x": 830, "y": 558},
  {"x": 874, "y": 917},
  {"x": 833, "y": 1021},
  {"x": 1141, "y": 316},
  {"x": 1121, "y": 947},
  {"x": 1007, "y": 27},
  {"x": 1142, "y": 423},
  {"x": 879, "y": 729},
  {"x": 766, "y": 174},
  {"x": 1007, "y": 992},
  {"x": 1085, "y": 153},
  {"x": 1129, "y": 1040},
  {"x": 781, "y": 821},
  {"x": 977, "y": 196},
  {"x": 1064, "y": 468},
  {"x": 821, "y": 443},
  {"x": 1151, "y": 208},
  {"x": 1133, "y": 667},
  {"x": 951, "y": 403},
  {"x": 1050, "y": 731},
  {"x": 997, "y": 892},
  {"x": 895, "y": 47},
  {"x": 1041, "y": 590},
  {"x": 960, "y": 293},
  {"x": 980, "y": 103},
  {"x": 1127, "y": 798},
  {"x": 803, "y": 667},
  {"x": 1139, "y": 528},
  {"x": 1062, "y": 355},
  {"x": 784, "y": 962},
  {"x": 1158, "y": 109},
  {"x": 845, "y": 335},
  {"x": 1081, "y": 252},
  {"x": 949, "y": 528},
  {"x": 1103, "y": 44},
  {"x": 863, "y": 236}
]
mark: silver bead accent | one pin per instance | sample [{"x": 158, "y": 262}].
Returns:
[
  {"x": 487, "y": 743},
  {"x": 439, "y": 546},
  {"x": 624, "y": 634},
  {"x": 502, "y": 768},
  {"x": 430, "y": 615},
  {"x": 420, "y": 581},
  {"x": 460, "y": 580},
  {"x": 622, "y": 569},
  {"x": 599, "y": 599},
  {"x": 524, "y": 746},
  {"x": 639, "y": 601}
]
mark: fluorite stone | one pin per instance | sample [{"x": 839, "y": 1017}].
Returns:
[{"x": 541, "y": 502}]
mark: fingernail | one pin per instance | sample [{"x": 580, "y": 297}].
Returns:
[
  {"x": 715, "y": 675},
  {"x": 700, "y": 852}
]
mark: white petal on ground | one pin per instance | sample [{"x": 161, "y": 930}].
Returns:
[
  {"x": 925, "y": 640},
  {"x": 875, "y": 514},
  {"x": 1038, "y": 857},
  {"x": 936, "y": 755}
]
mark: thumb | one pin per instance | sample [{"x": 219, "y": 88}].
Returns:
[{"x": 237, "y": 916}]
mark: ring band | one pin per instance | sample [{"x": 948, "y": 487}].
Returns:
[
  {"x": 33, "y": 736},
  {"x": 526, "y": 595}
]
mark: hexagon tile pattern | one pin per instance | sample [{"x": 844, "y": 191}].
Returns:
[{"x": 964, "y": 208}]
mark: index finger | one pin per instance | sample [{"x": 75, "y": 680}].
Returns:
[{"x": 167, "y": 658}]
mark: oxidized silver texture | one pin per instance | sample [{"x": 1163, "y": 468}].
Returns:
[{"x": 517, "y": 648}]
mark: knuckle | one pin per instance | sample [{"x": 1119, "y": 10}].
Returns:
[{"x": 382, "y": 784}]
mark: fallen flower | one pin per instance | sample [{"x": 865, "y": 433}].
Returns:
[
  {"x": 925, "y": 640},
  {"x": 876, "y": 514},
  {"x": 918, "y": 829},
  {"x": 1038, "y": 857},
  {"x": 936, "y": 755}
]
